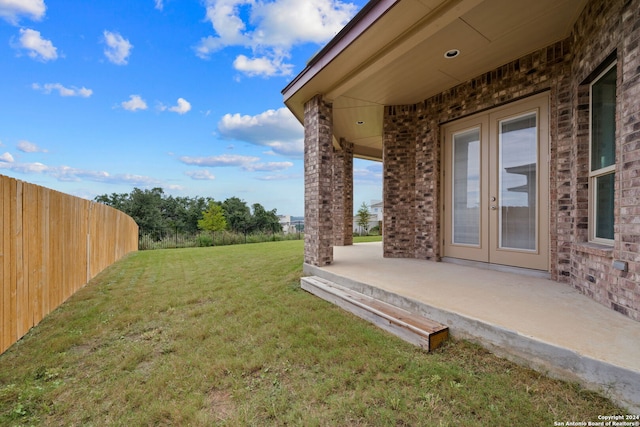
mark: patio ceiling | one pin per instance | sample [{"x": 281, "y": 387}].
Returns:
[{"x": 393, "y": 53}]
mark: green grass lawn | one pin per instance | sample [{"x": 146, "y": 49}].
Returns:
[{"x": 225, "y": 336}]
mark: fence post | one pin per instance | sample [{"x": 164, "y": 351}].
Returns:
[{"x": 88, "y": 243}]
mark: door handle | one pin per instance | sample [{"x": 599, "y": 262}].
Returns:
[{"x": 493, "y": 207}]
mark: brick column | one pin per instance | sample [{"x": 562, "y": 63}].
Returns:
[
  {"x": 399, "y": 186},
  {"x": 564, "y": 156},
  {"x": 343, "y": 194},
  {"x": 428, "y": 184},
  {"x": 318, "y": 195}
]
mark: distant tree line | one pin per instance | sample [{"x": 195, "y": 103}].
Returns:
[{"x": 158, "y": 214}]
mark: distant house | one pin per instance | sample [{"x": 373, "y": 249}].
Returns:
[
  {"x": 376, "y": 210},
  {"x": 508, "y": 131},
  {"x": 375, "y": 217},
  {"x": 291, "y": 224},
  {"x": 287, "y": 225}
]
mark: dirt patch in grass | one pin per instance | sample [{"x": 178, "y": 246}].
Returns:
[{"x": 221, "y": 405}]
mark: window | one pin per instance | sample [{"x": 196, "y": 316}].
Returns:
[{"x": 602, "y": 156}]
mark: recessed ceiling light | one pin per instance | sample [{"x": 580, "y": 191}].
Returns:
[
  {"x": 360, "y": 122},
  {"x": 452, "y": 53}
]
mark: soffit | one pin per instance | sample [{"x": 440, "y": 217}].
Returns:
[{"x": 400, "y": 59}]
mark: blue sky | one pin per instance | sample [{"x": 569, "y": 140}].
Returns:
[{"x": 103, "y": 96}]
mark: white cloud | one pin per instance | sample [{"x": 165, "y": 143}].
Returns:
[
  {"x": 288, "y": 22},
  {"x": 263, "y": 66},
  {"x": 26, "y": 168},
  {"x": 67, "y": 173},
  {"x": 29, "y": 147},
  {"x": 182, "y": 107},
  {"x": 159, "y": 4},
  {"x": 219, "y": 161},
  {"x": 280, "y": 177},
  {"x": 267, "y": 167},
  {"x": 224, "y": 15},
  {"x": 118, "y": 48},
  {"x": 174, "y": 187},
  {"x": 47, "y": 88},
  {"x": 270, "y": 29},
  {"x": 366, "y": 172},
  {"x": 10, "y": 10},
  {"x": 7, "y": 158},
  {"x": 134, "y": 103},
  {"x": 131, "y": 179},
  {"x": 247, "y": 163},
  {"x": 70, "y": 174},
  {"x": 200, "y": 175},
  {"x": 277, "y": 129},
  {"x": 37, "y": 47}
]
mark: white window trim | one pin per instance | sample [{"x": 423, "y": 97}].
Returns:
[{"x": 593, "y": 175}]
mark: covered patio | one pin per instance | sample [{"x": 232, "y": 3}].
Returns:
[
  {"x": 489, "y": 118},
  {"x": 546, "y": 325}
]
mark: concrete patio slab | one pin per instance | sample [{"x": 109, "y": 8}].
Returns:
[{"x": 546, "y": 325}]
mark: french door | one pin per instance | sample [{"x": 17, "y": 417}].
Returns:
[{"x": 496, "y": 180}]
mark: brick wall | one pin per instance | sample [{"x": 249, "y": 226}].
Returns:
[
  {"x": 343, "y": 194},
  {"x": 427, "y": 189},
  {"x": 412, "y": 152},
  {"x": 608, "y": 30},
  {"x": 318, "y": 194},
  {"x": 412, "y": 147},
  {"x": 399, "y": 181},
  {"x": 626, "y": 290}
]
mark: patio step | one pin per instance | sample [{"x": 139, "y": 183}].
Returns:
[{"x": 413, "y": 328}]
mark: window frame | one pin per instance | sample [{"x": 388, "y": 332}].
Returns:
[{"x": 594, "y": 175}]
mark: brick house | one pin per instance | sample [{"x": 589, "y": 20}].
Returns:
[{"x": 509, "y": 134}]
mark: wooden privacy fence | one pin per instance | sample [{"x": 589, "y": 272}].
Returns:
[{"x": 52, "y": 244}]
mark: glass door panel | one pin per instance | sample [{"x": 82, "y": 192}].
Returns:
[
  {"x": 496, "y": 186},
  {"x": 465, "y": 184},
  {"x": 466, "y": 187},
  {"x": 517, "y": 178}
]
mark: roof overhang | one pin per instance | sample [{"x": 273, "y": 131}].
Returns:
[{"x": 393, "y": 53}]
